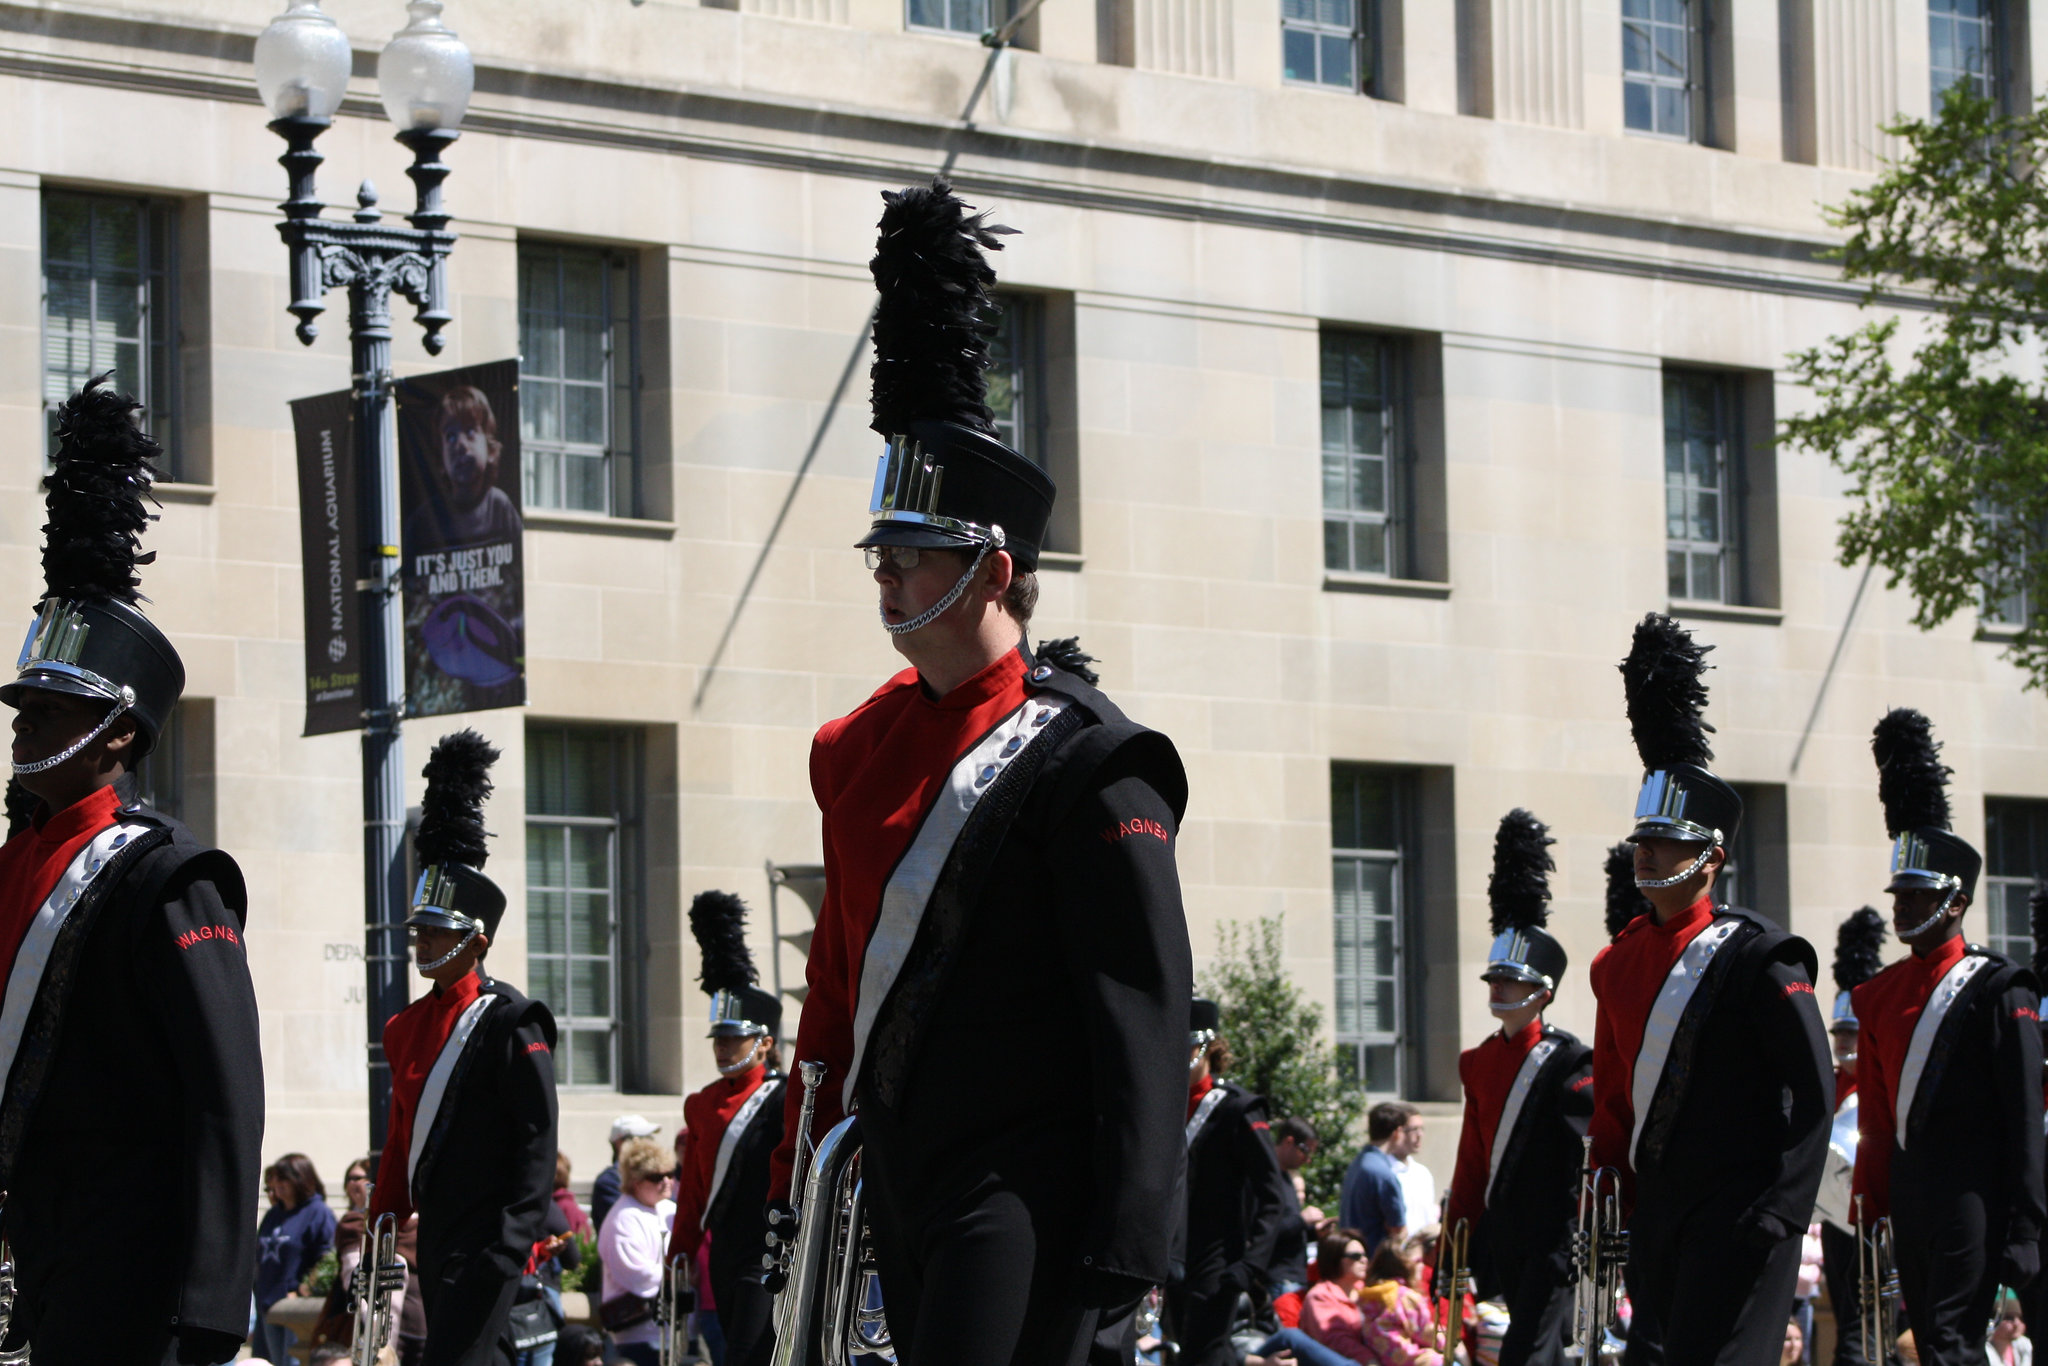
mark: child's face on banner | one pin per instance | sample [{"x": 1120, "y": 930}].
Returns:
[{"x": 466, "y": 461}]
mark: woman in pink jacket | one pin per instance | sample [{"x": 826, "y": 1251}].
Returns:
[{"x": 1369, "y": 1312}]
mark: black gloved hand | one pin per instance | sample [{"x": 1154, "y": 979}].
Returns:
[
  {"x": 206, "y": 1346},
  {"x": 2019, "y": 1264},
  {"x": 1760, "y": 1230}
]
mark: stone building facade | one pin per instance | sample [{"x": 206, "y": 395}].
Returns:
[{"x": 1394, "y": 357}]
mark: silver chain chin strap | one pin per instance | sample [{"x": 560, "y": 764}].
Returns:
[
  {"x": 753, "y": 1056},
  {"x": 1928, "y": 924},
  {"x": 45, "y": 765},
  {"x": 1697, "y": 864},
  {"x": 932, "y": 613},
  {"x": 453, "y": 953}
]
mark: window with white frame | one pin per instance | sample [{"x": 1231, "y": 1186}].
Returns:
[
  {"x": 1326, "y": 43},
  {"x": 2009, "y": 596},
  {"x": 1370, "y": 863},
  {"x": 2015, "y": 861},
  {"x": 1660, "y": 67},
  {"x": 1962, "y": 37},
  {"x": 1016, "y": 376},
  {"x": 108, "y": 304},
  {"x": 578, "y": 378},
  {"x": 1702, "y": 486},
  {"x": 1362, "y": 475},
  {"x": 581, "y": 806},
  {"x": 971, "y": 17}
]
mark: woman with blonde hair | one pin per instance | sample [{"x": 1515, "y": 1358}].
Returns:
[{"x": 632, "y": 1244}]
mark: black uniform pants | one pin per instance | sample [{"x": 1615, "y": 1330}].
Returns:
[
  {"x": 746, "y": 1317},
  {"x": 468, "y": 1312},
  {"x": 980, "y": 1282},
  {"x": 1200, "y": 1324},
  {"x": 1845, "y": 1294},
  {"x": 1539, "y": 1300},
  {"x": 1947, "y": 1273},
  {"x": 85, "y": 1320},
  {"x": 1702, "y": 1295}
]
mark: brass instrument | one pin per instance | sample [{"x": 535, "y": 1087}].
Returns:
[
  {"x": 378, "y": 1276},
  {"x": 1877, "y": 1280},
  {"x": 19, "y": 1356},
  {"x": 672, "y": 1311},
  {"x": 1599, "y": 1253},
  {"x": 828, "y": 1307},
  {"x": 1447, "y": 1298}
]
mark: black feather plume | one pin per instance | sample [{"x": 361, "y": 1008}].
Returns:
[
  {"x": 1661, "y": 680},
  {"x": 2037, "y": 910},
  {"x": 719, "y": 920},
  {"x": 1519, "y": 890},
  {"x": 96, "y": 487},
  {"x": 21, "y": 807},
  {"x": 932, "y": 321},
  {"x": 1912, "y": 782},
  {"x": 1066, "y": 653},
  {"x": 1625, "y": 900},
  {"x": 452, "y": 812},
  {"x": 1859, "y": 949}
]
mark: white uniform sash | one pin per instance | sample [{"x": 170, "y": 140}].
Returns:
[
  {"x": 910, "y": 886},
  {"x": 1661, "y": 1028},
  {"x": 436, "y": 1089},
  {"x": 33, "y": 955},
  {"x": 1511, "y": 1110},
  {"x": 1203, "y": 1110},
  {"x": 1931, "y": 1015},
  {"x": 727, "y": 1145}
]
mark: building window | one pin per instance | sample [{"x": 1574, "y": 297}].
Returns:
[
  {"x": 1961, "y": 47},
  {"x": 1660, "y": 60},
  {"x": 1016, "y": 377},
  {"x": 1372, "y": 863},
  {"x": 974, "y": 17},
  {"x": 2015, "y": 858},
  {"x": 2009, "y": 598},
  {"x": 108, "y": 304},
  {"x": 160, "y": 777},
  {"x": 578, "y": 378},
  {"x": 581, "y": 822},
  {"x": 1362, "y": 478},
  {"x": 1702, "y": 486},
  {"x": 1324, "y": 42}
]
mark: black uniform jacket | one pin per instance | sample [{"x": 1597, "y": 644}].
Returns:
[
  {"x": 158, "y": 1024},
  {"x": 1740, "y": 1122},
  {"x": 1532, "y": 1205},
  {"x": 1237, "y": 1197},
  {"x": 1036, "y": 1036},
  {"x": 487, "y": 1172}
]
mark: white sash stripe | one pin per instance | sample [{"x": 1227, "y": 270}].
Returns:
[
  {"x": 1669, "y": 1008},
  {"x": 1511, "y": 1110},
  {"x": 910, "y": 887},
  {"x": 33, "y": 955},
  {"x": 436, "y": 1089},
  {"x": 1202, "y": 1112},
  {"x": 1931, "y": 1015},
  {"x": 731, "y": 1142}
]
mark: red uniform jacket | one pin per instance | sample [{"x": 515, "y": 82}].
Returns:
[
  {"x": 1487, "y": 1073},
  {"x": 412, "y": 1041},
  {"x": 1888, "y": 1006},
  {"x": 31, "y": 863},
  {"x": 705, "y": 1115}
]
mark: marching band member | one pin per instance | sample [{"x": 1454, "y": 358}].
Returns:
[
  {"x": 1000, "y": 882},
  {"x": 1712, "y": 1089},
  {"x": 1859, "y": 950},
  {"x": 123, "y": 962},
  {"x": 1948, "y": 1072},
  {"x": 471, "y": 1142},
  {"x": 2034, "y": 1295},
  {"x": 735, "y": 1124},
  {"x": 1528, "y": 1096}
]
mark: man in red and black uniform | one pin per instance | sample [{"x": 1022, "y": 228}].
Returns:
[
  {"x": 734, "y": 1125},
  {"x": 1859, "y": 947},
  {"x": 126, "y": 979},
  {"x": 1528, "y": 1095},
  {"x": 1711, "y": 1081},
  {"x": 471, "y": 1142},
  {"x": 1000, "y": 883},
  {"x": 1948, "y": 1073}
]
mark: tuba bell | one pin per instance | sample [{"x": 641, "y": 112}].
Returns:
[
  {"x": 829, "y": 1307},
  {"x": 1877, "y": 1280},
  {"x": 19, "y": 1356},
  {"x": 1599, "y": 1252},
  {"x": 672, "y": 1311},
  {"x": 378, "y": 1276}
]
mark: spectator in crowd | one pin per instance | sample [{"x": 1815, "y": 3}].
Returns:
[
  {"x": 579, "y": 1346},
  {"x": 2008, "y": 1344},
  {"x": 297, "y": 1230},
  {"x": 1369, "y": 1311},
  {"x": 565, "y": 1200},
  {"x": 555, "y": 1252},
  {"x": 1794, "y": 1350},
  {"x": 605, "y": 1189},
  {"x": 1418, "y": 1183},
  {"x": 1372, "y": 1201},
  {"x": 1294, "y": 1142},
  {"x": 1807, "y": 1289},
  {"x": 1329, "y": 1311},
  {"x": 632, "y": 1243},
  {"x": 1294, "y": 1139}
]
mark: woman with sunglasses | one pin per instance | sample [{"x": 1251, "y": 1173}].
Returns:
[
  {"x": 1367, "y": 1309},
  {"x": 632, "y": 1244}
]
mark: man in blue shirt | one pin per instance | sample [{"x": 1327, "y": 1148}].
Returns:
[{"x": 1372, "y": 1202}]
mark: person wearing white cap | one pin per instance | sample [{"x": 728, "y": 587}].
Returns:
[{"x": 604, "y": 1191}]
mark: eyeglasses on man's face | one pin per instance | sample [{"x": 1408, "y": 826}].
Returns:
[{"x": 902, "y": 557}]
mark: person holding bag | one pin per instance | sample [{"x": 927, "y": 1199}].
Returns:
[{"x": 631, "y": 1246}]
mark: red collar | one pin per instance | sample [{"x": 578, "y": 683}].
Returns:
[
  {"x": 1941, "y": 957},
  {"x": 1197, "y": 1091},
  {"x": 744, "y": 1081},
  {"x": 86, "y": 816},
  {"x": 1526, "y": 1039},
  {"x": 1688, "y": 921},
  {"x": 992, "y": 682}
]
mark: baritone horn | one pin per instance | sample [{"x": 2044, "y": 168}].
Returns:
[
  {"x": 1877, "y": 1281},
  {"x": 672, "y": 1311},
  {"x": 19, "y": 1356},
  {"x": 378, "y": 1276},
  {"x": 1447, "y": 1297},
  {"x": 1599, "y": 1252},
  {"x": 829, "y": 1307}
]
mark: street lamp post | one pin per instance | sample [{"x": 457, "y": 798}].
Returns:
[{"x": 424, "y": 76}]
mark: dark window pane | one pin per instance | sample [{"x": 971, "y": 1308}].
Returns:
[{"x": 1635, "y": 107}]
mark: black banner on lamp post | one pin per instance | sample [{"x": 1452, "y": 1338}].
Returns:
[{"x": 328, "y": 550}]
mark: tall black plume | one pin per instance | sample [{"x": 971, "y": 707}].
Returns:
[
  {"x": 1625, "y": 900},
  {"x": 1859, "y": 949},
  {"x": 1912, "y": 782},
  {"x": 1065, "y": 652},
  {"x": 1519, "y": 890},
  {"x": 1661, "y": 679},
  {"x": 102, "y": 473},
  {"x": 452, "y": 812},
  {"x": 932, "y": 322},
  {"x": 21, "y": 807},
  {"x": 719, "y": 921}
]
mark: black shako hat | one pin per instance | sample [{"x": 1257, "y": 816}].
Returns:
[
  {"x": 1205, "y": 1021},
  {"x": 88, "y": 638},
  {"x": 739, "y": 1008},
  {"x": 453, "y": 893},
  {"x": 944, "y": 479},
  {"x": 1912, "y": 785},
  {"x": 1680, "y": 799},
  {"x": 1519, "y": 893},
  {"x": 1859, "y": 956}
]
